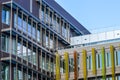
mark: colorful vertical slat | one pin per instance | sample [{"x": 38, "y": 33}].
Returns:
[
  {"x": 57, "y": 66},
  {"x": 112, "y": 62},
  {"x": 93, "y": 61},
  {"x": 84, "y": 58},
  {"x": 66, "y": 57},
  {"x": 75, "y": 66},
  {"x": 103, "y": 63}
]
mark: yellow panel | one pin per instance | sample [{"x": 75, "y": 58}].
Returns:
[
  {"x": 75, "y": 66},
  {"x": 66, "y": 57},
  {"x": 84, "y": 58},
  {"x": 112, "y": 62},
  {"x": 93, "y": 61},
  {"x": 57, "y": 66},
  {"x": 103, "y": 63}
]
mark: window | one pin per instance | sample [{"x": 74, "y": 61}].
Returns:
[
  {"x": 42, "y": 13},
  {"x": 98, "y": 61},
  {"x": 51, "y": 42},
  {"x": 38, "y": 34},
  {"x": 5, "y": 43},
  {"x": 5, "y": 72},
  {"x": 25, "y": 24},
  {"x": 14, "y": 46},
  {"x": 43, "y": 62},
  {"x": 34, "y": 31},
  {"x": 19, "y": 49},
  {"x": 5, "y": 16},
  {"x": 24, "y": 52},
  {"x": 89, "y": 62},
  {"x": 108, "y": 60},
  {"x": 47, "y": 41},
  {"x": 29, "y": 27},
  {"x": 20, "y": 76},
  {"x": 29, "y": 55},
  {"x": 19, "y": 21},
  {"x": 15, "y": 20},
  {"x": 34, "y": 58},
  {"x": 117, "y": 56}
]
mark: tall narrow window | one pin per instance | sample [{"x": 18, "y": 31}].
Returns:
[
  {"x": 24, "y": 24},
  {"x": 6, "y": 15},
  {"x": 34, "y": 57},
  {"x": 117, "y": 56},
  {"x": 108, "y": 60},
  {"x": 29, "y": 27},
  {"x": 5, "y": 43},
  {"x": 34, "y": 31},
  {"x": 98, "y": 61},
  {"x": 38, "y": 34}
]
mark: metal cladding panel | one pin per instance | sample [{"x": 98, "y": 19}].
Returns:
[{"x": 66, "y": 15}]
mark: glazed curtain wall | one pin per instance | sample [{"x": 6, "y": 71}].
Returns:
[{"x": 96, "y": 59}]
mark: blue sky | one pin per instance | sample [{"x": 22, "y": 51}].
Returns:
[{"x": 95, "y": 15}]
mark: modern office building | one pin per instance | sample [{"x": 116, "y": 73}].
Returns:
[
  {"x": 90, "y": 57},
  {"x": 30, "y": 33}
]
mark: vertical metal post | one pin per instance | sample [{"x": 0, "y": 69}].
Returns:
[{"x": 11, "y": 41}]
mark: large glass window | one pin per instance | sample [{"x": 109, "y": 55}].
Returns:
[
  {"x": 34, "y": 58},
  {"x": 29, "y": 55},
  {"x": 43, "y": 62},
  {"x": 51, "y": 43},
  {"x": 89, "y": 62},
  {"x": 47, "y": 41},
  {"x": 42, "y": 13},
  {"x": 108, "y": 60},
  {"x": 14, "y": 46},
  {"x": 25, "y": 24},
  {"x": 24, "y": 52},
  {"x": 5, "y": 72},
  {"x": 19, "y": 21},
  {"x": 117, "y": 56},
  {"x": 71, "y": 64},
  {"x": 29, "y": 27},
  {"x": 38, "y": 34},
  {"x": 20, "y": 76},
  {"x": 34, "y": 31},
  {"x": 5, "y": 43},
  {"x": 19, "y": 47},
  {"x": 5, "y": 15}
]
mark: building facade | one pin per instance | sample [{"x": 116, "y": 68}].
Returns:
[
  {"x": 30, "y": 33},
  {"x": 91, "y": 57}
]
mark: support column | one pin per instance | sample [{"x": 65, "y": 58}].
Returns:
[
  {"x": 103, "y": 63},
  {"x": 75, "y": 65},
  {"x": 84, "y": 58},
  {"x": 112, "y": 62},
  {"x": 93, "y": 61},
  {"x": 66, "y": 57},
  {"x": 58, "y": 66},
  {"x": 10, "y": 48}
]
